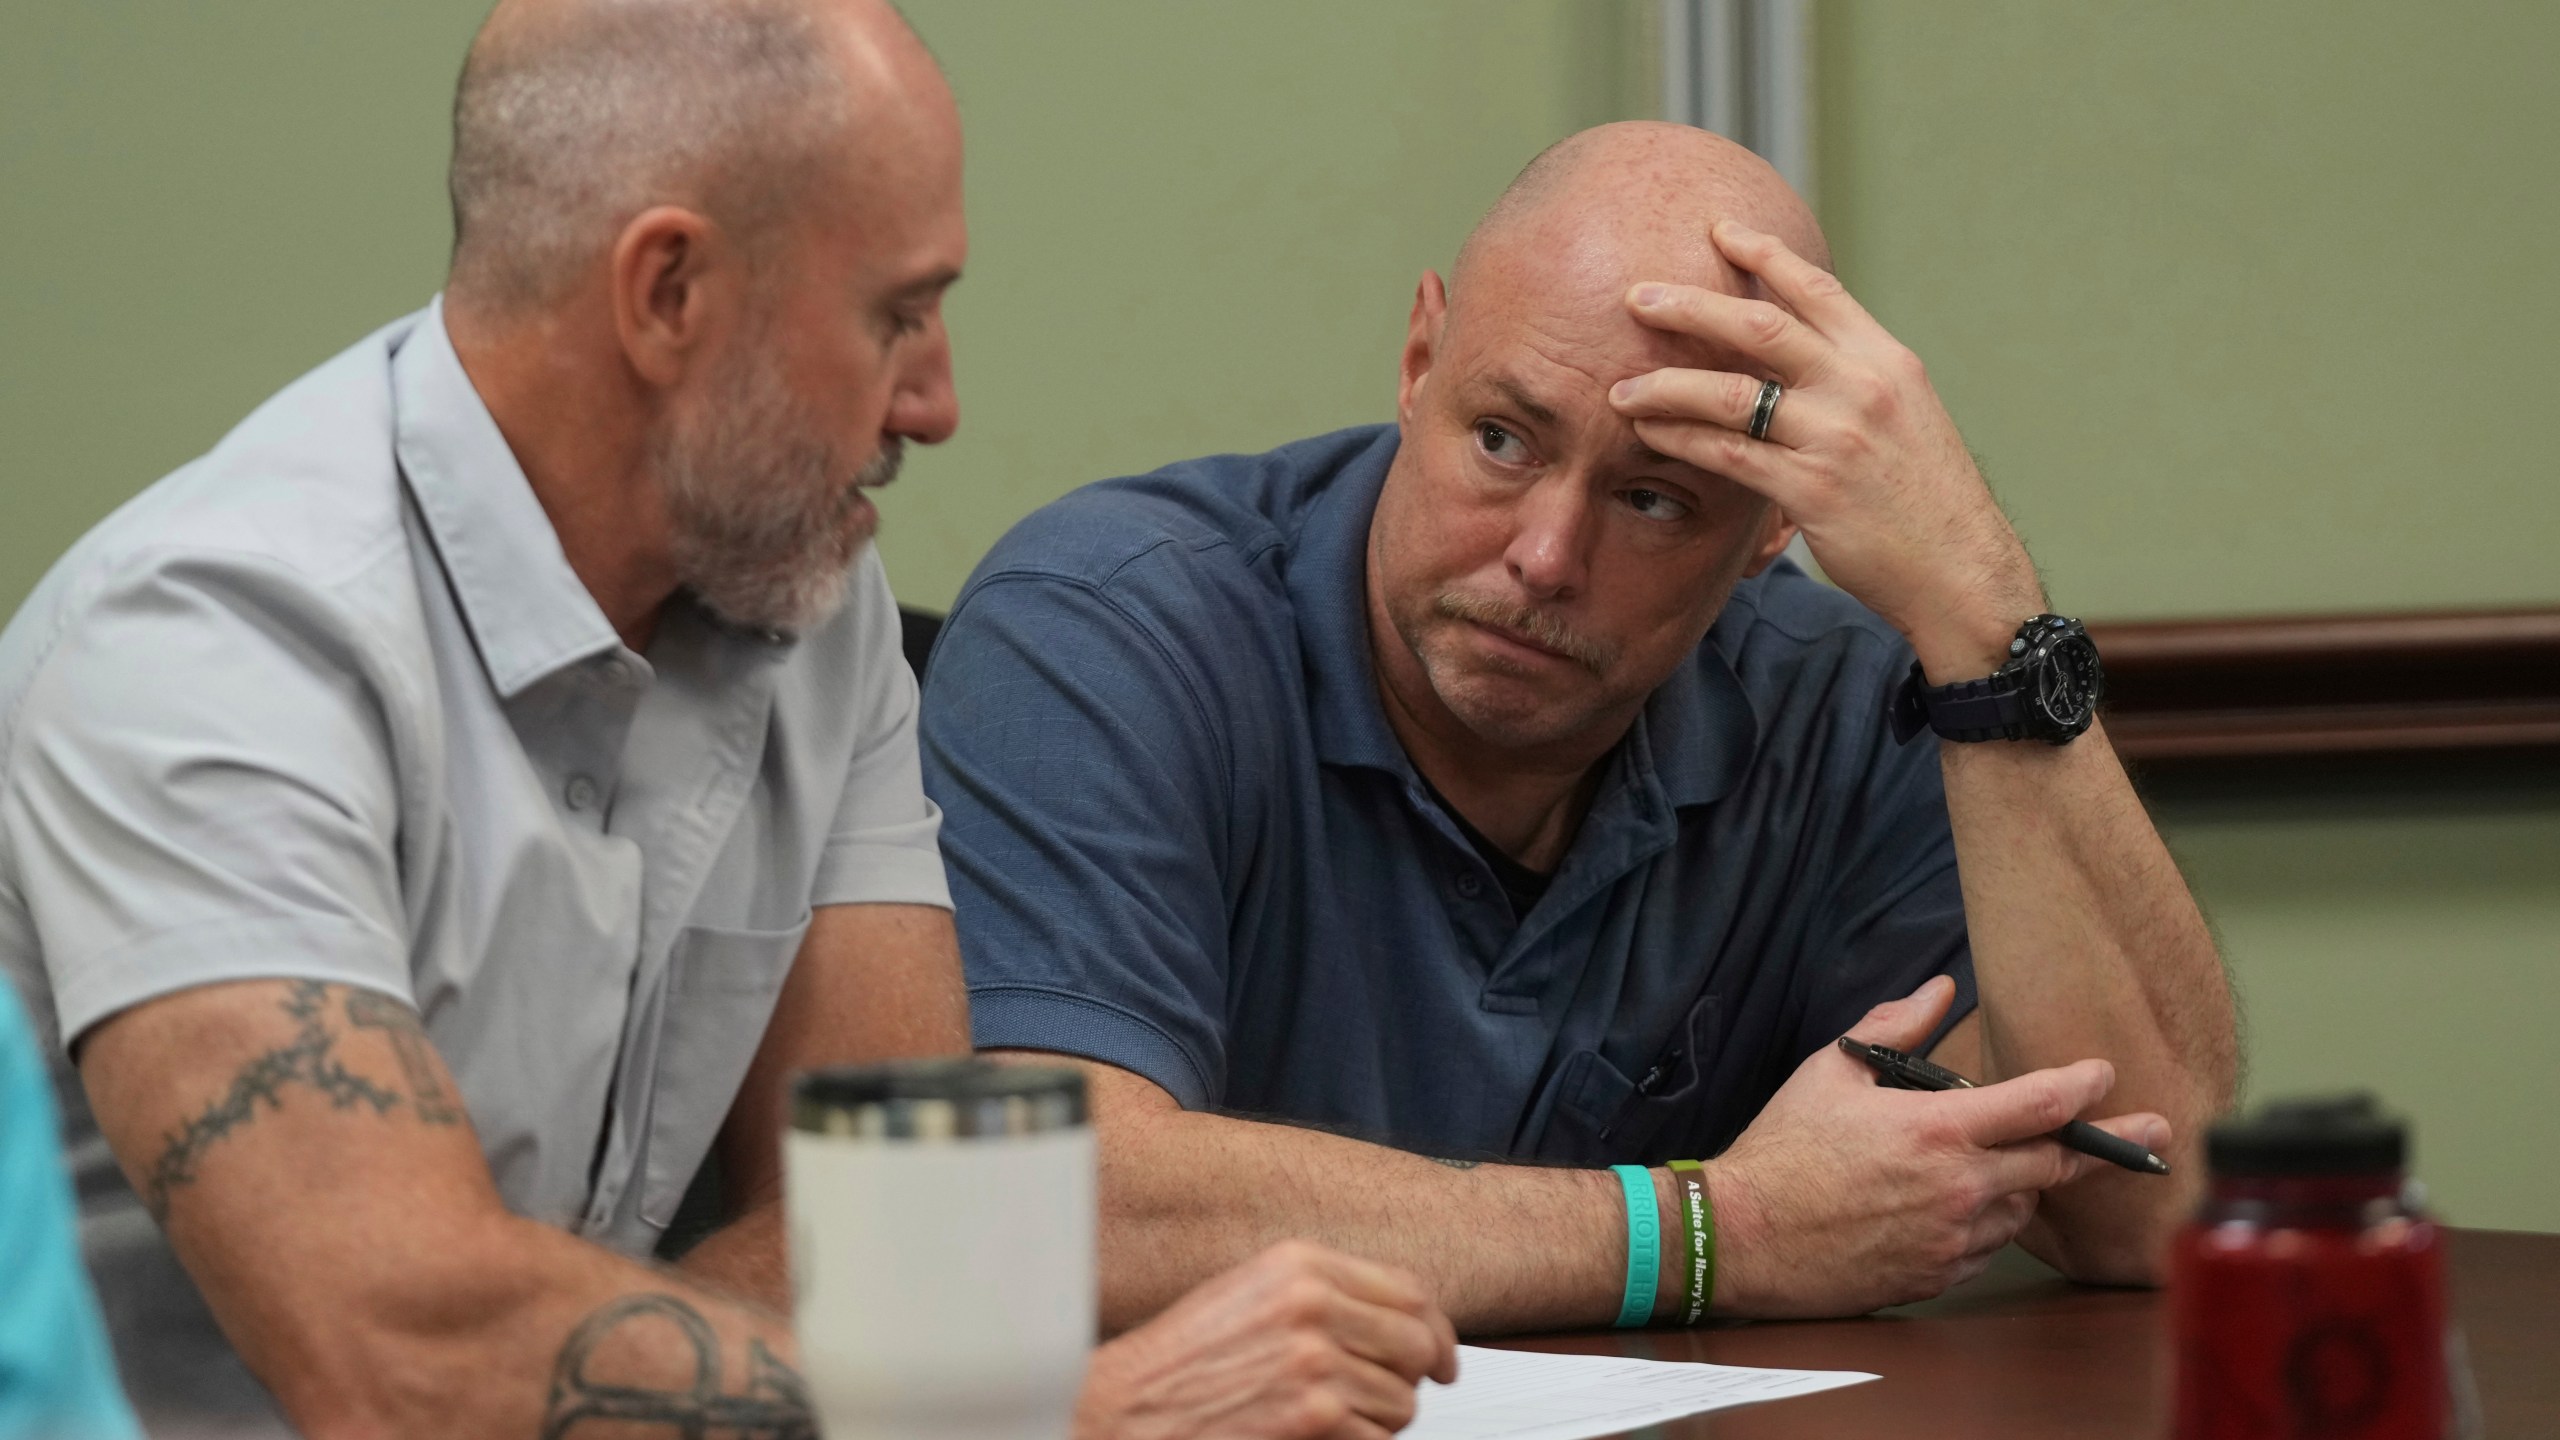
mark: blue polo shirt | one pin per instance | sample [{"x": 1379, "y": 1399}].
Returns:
[{"x": 1183, "y": 839}]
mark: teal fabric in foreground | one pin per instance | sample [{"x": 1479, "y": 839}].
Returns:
[{"x": 57, "y": 1376}]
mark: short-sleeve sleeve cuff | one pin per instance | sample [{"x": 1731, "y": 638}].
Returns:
[
  {"x": 885, "y": 865},
  {"x": 284, "y": 947},
  {"x": 1036, "y": 1017}
]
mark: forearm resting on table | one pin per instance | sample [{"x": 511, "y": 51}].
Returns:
[
  {"x": 2087, "y": 943},
  {"x": 1187, "y": 1195}
]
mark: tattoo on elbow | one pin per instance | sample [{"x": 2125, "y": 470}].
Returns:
[
  {"x": 310, "y": 1061},
  {"x": 773, "y": 1404}
]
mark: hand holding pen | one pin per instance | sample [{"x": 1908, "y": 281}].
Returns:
[
  {"x": 1845, "y": 1195},
  {"x": 1910, "y": 1072}
]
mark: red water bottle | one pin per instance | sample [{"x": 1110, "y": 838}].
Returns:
[{"x": 2307, "y": 1296}]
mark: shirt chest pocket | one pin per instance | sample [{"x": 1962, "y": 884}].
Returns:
[
  {"x": 721, "y": 987},
  {"x": 1605, "y": 1117}
]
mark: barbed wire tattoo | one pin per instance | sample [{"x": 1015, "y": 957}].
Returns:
[{"x": 311, "y": 1060}]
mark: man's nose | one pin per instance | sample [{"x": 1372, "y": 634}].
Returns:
[
  {"x": 926, "y": 405},
  {"x": 1549, "y": 552}
]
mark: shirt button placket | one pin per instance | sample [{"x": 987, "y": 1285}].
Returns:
[
  {"x": 579, "y": 793},
  {"x": 1469, "y": 885}
]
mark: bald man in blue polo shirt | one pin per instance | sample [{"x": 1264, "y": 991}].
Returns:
[{"x": 1407, "y": 823}]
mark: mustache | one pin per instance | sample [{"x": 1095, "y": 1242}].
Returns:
[
  {"x": 1541, "y": 626},
  {"x": 879, "y": 470},
  {"x": 882, "y": 468}
]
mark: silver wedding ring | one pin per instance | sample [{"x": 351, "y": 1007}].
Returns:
[{"x": 1766, "y": 410}]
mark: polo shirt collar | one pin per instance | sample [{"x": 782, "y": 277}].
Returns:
[
  {"x": 1693, "y": 739},
  {"x": 528, "y": 613},
  {"x": 1699, "y": 731}
]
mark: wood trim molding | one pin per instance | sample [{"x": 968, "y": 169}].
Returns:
[{"x": 2333, "y": 687}]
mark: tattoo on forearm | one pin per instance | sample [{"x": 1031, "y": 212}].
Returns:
[
  {"x": 773, "y": 1405},
  {"x": 309, "y": 1059}
]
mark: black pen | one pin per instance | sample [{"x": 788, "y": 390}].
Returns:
[{"x": 1910, "y": 1072}]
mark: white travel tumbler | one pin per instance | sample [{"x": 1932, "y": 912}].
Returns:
[{"x": 942, "y": 1237}]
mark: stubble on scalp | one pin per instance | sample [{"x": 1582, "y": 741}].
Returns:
[{"x": 573, "y": 116}]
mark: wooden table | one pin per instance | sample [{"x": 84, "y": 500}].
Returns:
[{"x": 2021, "y": 1352}]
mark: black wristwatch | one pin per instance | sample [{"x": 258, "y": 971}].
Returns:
[{"x": 2048, "y": 691}]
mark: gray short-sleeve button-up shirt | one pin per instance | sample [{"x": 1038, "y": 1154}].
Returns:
[{"x": 329, "y": 703}]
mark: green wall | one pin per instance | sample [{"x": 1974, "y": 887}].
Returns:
[
  {"x": 2244, "y": 307},
  {"x": 2402, "y": 943},
  {"x": 1197, "y": 228},
  {"x": 198, "y": 202},
  {"x": 2251, "y": 308}
]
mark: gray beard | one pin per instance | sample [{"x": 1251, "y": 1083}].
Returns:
[{"x": 764, "y": 513}]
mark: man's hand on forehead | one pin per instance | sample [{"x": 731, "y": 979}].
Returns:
[{"x": 1859, "y": 453}]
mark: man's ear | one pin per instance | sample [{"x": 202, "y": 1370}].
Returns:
[
  {"x": 1421, "y": 341},
  {"x": 1773, "y": 543},
  {"x": 667, "y": 287}
]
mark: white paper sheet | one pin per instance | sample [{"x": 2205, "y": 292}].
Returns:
[{"x": 1516, "y": 1395}]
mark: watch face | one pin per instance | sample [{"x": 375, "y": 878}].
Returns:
[{"x": 2067, "y": 684}]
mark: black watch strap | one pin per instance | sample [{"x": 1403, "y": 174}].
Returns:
[
  {"x": 1984, "y": 709},
  {"x": 2048, "y": 689}
]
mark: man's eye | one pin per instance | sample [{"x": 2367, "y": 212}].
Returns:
[
  {"x": 1492, "y": 438},
  {"x": 909, "y": 324},
  {"x": 1654, "y": 505}
]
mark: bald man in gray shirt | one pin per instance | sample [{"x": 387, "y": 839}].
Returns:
[{"x": 437, "y": 819}]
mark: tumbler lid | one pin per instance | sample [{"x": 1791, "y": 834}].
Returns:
[
  {"x": 2319, "y": 1135},
  {"x": 938, "y": 1100}
]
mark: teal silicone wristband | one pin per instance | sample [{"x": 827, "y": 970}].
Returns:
[{"x": 1644, "y": 1244}]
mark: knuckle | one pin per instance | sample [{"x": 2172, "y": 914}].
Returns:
[
  {"x": 1303, "y": 1296},
  {"x": 2016, "y": 1217},
  {"x": 1875, "y": 396},
  {"x": 2001, "y": 1219},
  {"x": 1721, "y": 447},
  {"x": 1418, "y": 1344},
  {"x": 1308, "y": 1356},
  {"x": 2049, "y": 1108},
  {"x": 1317, "y": 1412},
  {"x": 1765, "y": 322}
]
